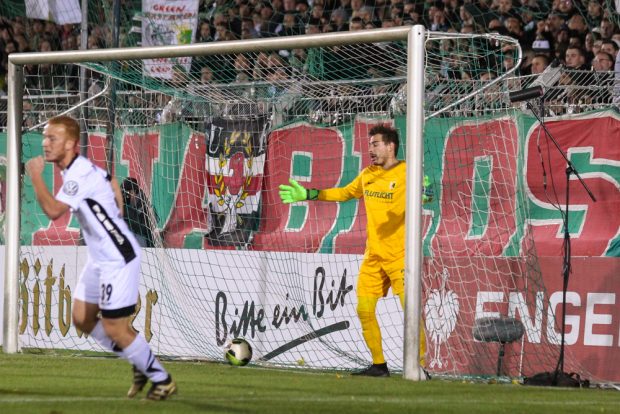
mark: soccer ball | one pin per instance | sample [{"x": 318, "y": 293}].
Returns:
[{"x": 238, "y": 352}]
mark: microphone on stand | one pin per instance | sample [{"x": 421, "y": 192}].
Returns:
[{"x": 538, "y": 88}]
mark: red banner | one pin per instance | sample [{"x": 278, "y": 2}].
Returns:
[{"x": 592, "y": 145}]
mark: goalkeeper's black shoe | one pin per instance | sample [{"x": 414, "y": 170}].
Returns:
[
  {"x": 139, "y": 381},
  {"x": 375, "y": 370},
  {"x": 162, "y": 390}
]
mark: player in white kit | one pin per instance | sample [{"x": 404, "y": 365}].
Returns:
[{"x": 109, "y": 281}]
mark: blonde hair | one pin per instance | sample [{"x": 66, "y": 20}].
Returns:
[{"x": 72, "y": 127}]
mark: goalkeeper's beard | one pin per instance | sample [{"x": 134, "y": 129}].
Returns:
[{"x": 379, "y": 161}]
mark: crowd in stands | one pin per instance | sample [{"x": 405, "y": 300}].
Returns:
[{"x": 582, "y": 35}]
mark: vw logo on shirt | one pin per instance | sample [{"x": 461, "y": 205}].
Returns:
[{"x": 70, "y": 188}]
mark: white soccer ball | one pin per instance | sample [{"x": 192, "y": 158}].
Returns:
[{"x": 238, "y": 352}]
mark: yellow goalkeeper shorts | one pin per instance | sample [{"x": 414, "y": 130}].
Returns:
[{"x": 377, "y": 276}]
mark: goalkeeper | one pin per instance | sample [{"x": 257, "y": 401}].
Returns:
[{"x": 383, "y": 187}]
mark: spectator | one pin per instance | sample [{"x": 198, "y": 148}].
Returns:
[
  {"x": 356, "y": 5},
  {"x": 257, "y": 22},
  {"x": 136, "y": 212},
  {"x": 513, "y": 26},
  {"x": 397, "y": 14},
  {"x": 247, "y": 29},
  {"x": 98, "y": 114},
  {"x": 603, "y": 66},
  {"x": 606, "y": 29},
  {"x": 465, "y": 17},
  {"x": 489, "y": 101},
  {"x": 10, "y": 46},
  {"x": 603, "y": 62},
  {"x": 302, "y": 9},
  {"x": 577, "y": 25},
  {"x": 282, "y": 89},
  {"x": 290, "y": 26},
  {"x": 596, "y": 46},
  {"x": 562, "y": 39},
  {"x": 6, "y": 33},
  {"x": 467, "y": 28},
  {"x": 51, "y": 34},
  {"x": 539, "y": 63},
  {"x": 367, "y": 16},
  {"x": 561, "y": 31},
  {"x": 268, "y": 21},
  {"x": 206, "y": 75},
  {"x": 29, "y": 116},
  {"x": 594, "y": 13},
  {"x": 261, "y": 66},
  {"x": 356, "y": 24},
  {"x": 339, "y": 19},
  {"x": 415, "y": 14},
  {"x": 47, "y": 72},
  {"x": 290, "y": 6},
  {"x": 69, "y": 43},
  {"x": 37, "y": 34},
  {"x": 609, "y": 46},
  {"x": 343, "y": 13},
  {"x": 437, "y": 18},
  {"x": 506, "y": 10},
  {"x": 554, "y": 22},
  {"x": 297, "y": 61},
  {"x": 317, "y": 12},
  {"x": 313, "y": 28},
  {"x": 589, "y": 44},
  {"x": 576, "y": 59},
  {"x": 204, "y": 32},
  {"x": 243, "y": 68},
  {"x": 561, "y": 7},
  {"x": 529, "y": 21},
  {"x": 616, "y": 38}
]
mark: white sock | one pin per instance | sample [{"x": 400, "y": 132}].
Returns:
[
  {"x": 139, "y": 353},
  {"x": 99, "y": 335}
]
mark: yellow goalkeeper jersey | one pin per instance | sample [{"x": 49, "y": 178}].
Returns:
[{"x": 384, "y": 198}]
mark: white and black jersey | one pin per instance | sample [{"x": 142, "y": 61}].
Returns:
[{"x": 87, "y": 190}]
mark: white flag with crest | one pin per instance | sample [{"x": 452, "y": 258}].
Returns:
[
  {"x": 59, "y": 11},
  {"x": 168, "y": 22}
]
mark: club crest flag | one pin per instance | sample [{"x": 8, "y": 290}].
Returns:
[
  {"x": 168, "y": 22},
  {"x": 235, "y": 168}
]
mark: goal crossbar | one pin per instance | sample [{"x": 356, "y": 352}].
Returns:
[{"x": 214, "y": 48}]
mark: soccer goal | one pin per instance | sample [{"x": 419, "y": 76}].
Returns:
[{"x": 200, "y": 137}]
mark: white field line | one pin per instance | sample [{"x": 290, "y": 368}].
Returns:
[{"x": 334, "y": 399}]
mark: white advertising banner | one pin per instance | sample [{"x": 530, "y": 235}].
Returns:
[
  {"x": 168, "y": 22},
  {"x": 298, "y": 310}
]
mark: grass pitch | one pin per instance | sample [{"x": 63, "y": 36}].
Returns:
[{"x": 69, "y": 384}]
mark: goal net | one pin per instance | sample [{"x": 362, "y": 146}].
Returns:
[{"x": 200, "y": 145}]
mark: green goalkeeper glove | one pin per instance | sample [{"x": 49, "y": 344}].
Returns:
[
  {"x": 296, "y": 192},
  {"x": 427, "y": 190}
]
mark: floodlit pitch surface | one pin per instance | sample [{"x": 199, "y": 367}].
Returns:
[{"x": 69, "y": 384}]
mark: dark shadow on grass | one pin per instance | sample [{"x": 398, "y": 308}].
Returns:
[{"x": 4, "y": 391}]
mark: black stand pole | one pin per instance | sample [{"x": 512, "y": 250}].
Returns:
[{"x": 566, "y": 267}]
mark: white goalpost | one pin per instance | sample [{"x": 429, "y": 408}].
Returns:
[
  {"x": 413, "y": 218},
  {"x": 415, "y": 67},
  {"x": 201, "y": 152}
]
